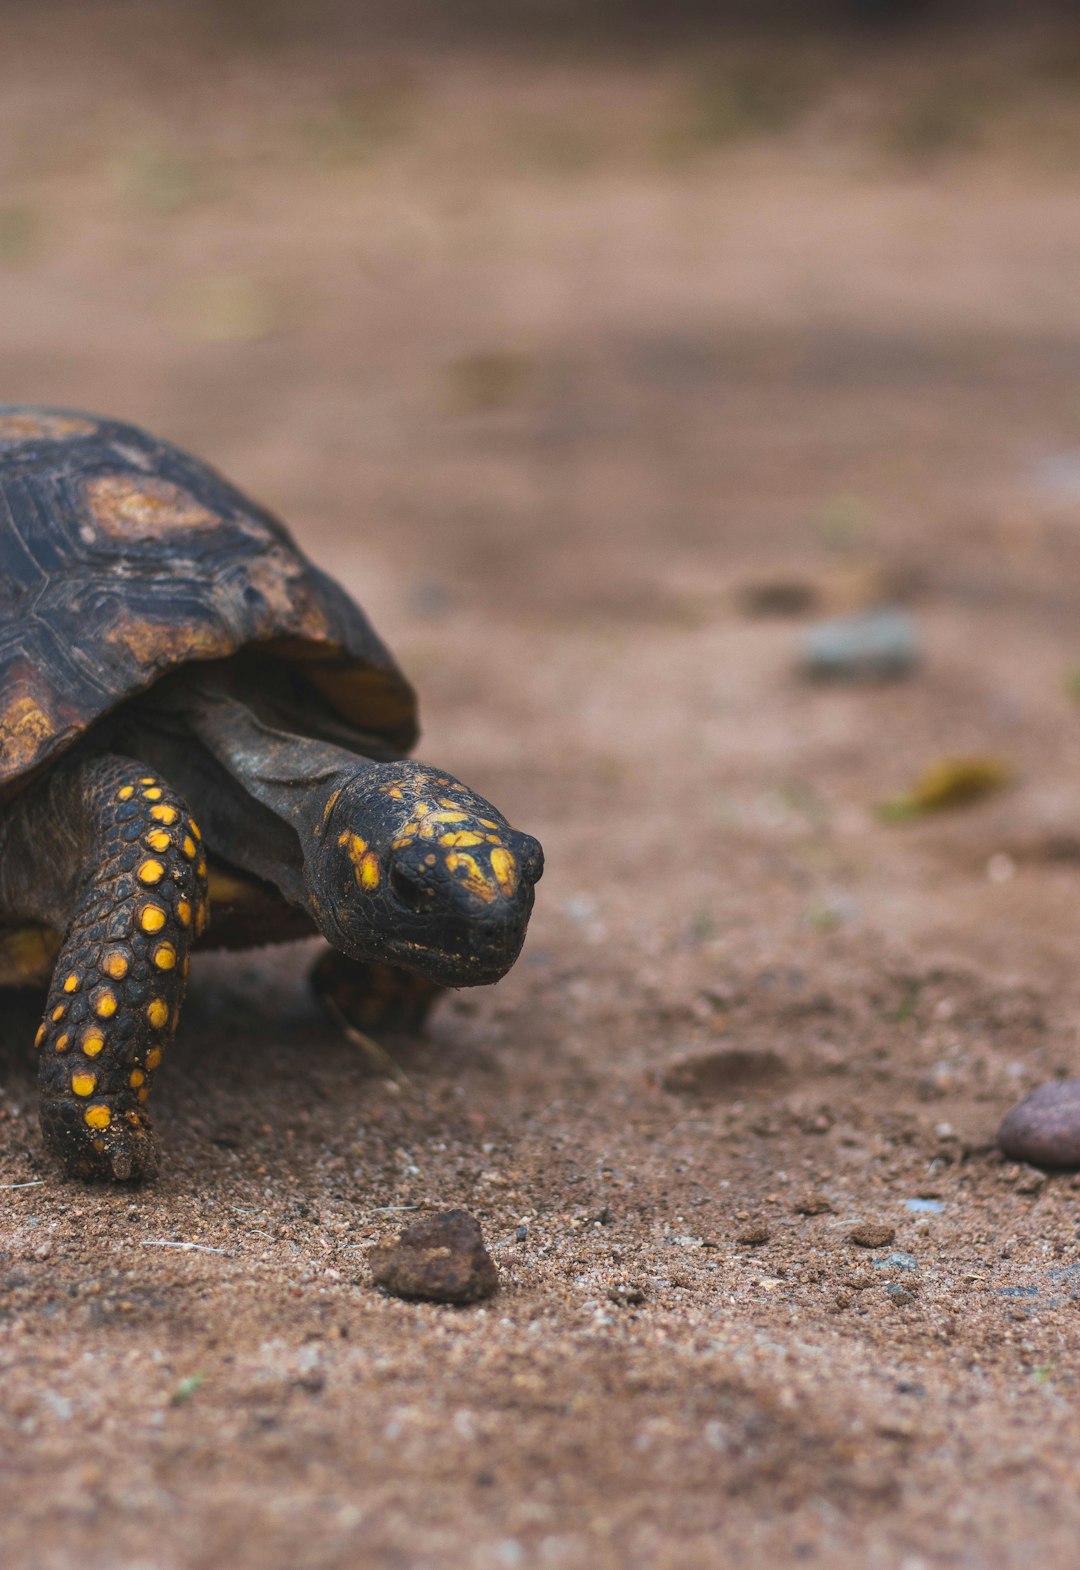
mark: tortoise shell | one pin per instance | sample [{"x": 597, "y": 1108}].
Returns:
[{"x": 122, "y": 557}]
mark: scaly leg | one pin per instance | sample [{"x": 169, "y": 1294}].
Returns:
[
  {"x": 130, "y": 902},
  {"x": 373, "y": 997}
]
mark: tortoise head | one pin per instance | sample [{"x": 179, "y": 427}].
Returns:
[{"x": 414, "y": 869}]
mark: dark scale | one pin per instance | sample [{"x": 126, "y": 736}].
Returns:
[{"x": 166, "y": 650}]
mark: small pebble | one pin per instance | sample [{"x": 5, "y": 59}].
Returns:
[
  {"x": 753, "y": 1234},
  {"x": 877, "y": 645},
  {"x": 872, "y": 1234},
  {"x": 441, "y": 1259},
  {"x": 814, "y": 1205},
  {"x": 1044, "y": 1129}
]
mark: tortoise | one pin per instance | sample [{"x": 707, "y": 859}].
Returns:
[{"x": 194, "y": 715}]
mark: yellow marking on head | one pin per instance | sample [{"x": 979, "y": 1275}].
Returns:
[
  {"x": 144, "y": 1096},
  {"x": 40, "y": 1037},
  {"x": 62, "y": 1042},
  {"x": 504, "y": 866},
  {"x": 157, "y": 1013},
  {"x": 488, "y": 824},
  {"x": 97, "y": 1117},
  {"x": 428, "y": 829},
  {"x": 429, "y": 861},
  {"x": 460, "y": 839},
  {"x": 183, "y": 912},
  {"x": 125, "y": 793},
  {"x": 150, "y": 871},
  {"x": 83, "y": 1084},
  {"x": 354, "y": 845},
  {"x": 421, "y": 809},
  {"x": 148, "y": 779},
  {"x": 116, "y": 965},
  {"x": 71, "y": 982},
  {"x": 136, "y": 1078},
  {"x": 152, "y": 918},
  {"x": 164, "y": 956},
  {"x": 155, "y": 793},
  {"x": 153, "y": 1059},
  {"x": 157, "y": 839},
  {"x": 92, "y": 1043},
  {"x": 369, "y": 872},
  {"x": 58, "y": 1012},
  {"x": 105, "y": 1003},
  {"x": 395, "y": 791},
  {"x": 164, "y": 814},
  {"x": 474, "y": 880},
  {"x": 452, "y": 816}
]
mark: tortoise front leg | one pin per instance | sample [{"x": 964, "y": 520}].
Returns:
[
  {"x": 115, "y": 994},
  {"x": 371, "y": 996}
]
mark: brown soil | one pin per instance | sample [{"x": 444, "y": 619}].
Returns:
[{"x": 549, "y": 375}]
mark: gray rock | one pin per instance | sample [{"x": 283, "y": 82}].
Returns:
[
  {"x": 878, "y": 645},
  {"x": 1044, "y": 1129}
]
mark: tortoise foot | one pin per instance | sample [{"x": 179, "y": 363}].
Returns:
[
  {"x": 373, "y": 997},
  {"x": 118, "y": 1147}
]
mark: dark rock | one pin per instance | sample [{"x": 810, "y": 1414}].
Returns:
[
  {"x": 1044, "y": 1130},
  {"x": 441, "y": 1259},
  {"x": 872, "y": 1234}
]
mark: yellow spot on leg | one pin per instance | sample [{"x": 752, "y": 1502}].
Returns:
[
  {"x": 152, "y": 918},
  {"x": 150, "y": 872},
  {"x": 157, "y": 1013},
  {"x": 157, "y": 839},
  {"x": 144, "y": 1095},
  {"x": 58, "y": 1012},
  {"x": 125, "y": 793},
  {"x": 71, "y": 982},
  {"x": 62, "y": 1042},
  {"x": 194, "y": 827},
  {"x": 136, "y": 1078},
  {"x": 40, "y": 1037},
  {"x": 153, "y": 794},
  {"x": 187, "y": 849},
  {"x": 97, "y": 1116},
  {"x": 153, "y": 1059},
  {"x": 183, "y": 912},
  {"x": 148, "y": 779},
  {"x": 83, "y": 1084},
  {"x": 92, "y": 1043},
  {"x": 105, "y": 1004},
  {"x": 164, "y": 956},
  {"x": 116, "y": 965},
  {"x": 164, "y": 814}
]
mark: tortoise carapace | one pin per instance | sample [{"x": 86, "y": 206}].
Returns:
[{"x": 191, "y": 714}]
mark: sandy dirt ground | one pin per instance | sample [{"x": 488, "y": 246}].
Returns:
[{"x": 551, "y": 358}]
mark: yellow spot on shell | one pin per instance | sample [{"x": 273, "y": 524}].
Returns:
[
  {"x": 97, "y": 1116},
  {"x": 150, "y": 872},
  {"x": 105, "y": 1003},
  {"x": 164, "y": 956},
  {"x": 83, "y": 1084},
  {"x": 40, "y": 1037},
  {"x": 183, "y": 912},
  {"x": 71, "y": 982},
  {"x": 164, "y": 814},
  {"x": 157, "y": 839},
  {"x": 188, "y": 848},
  {"x": 152, "y": 918},
  {"x": 369, "y": 871},
  {"x": 58, "y": 1012},
  {"x": 474, "y": 880},
  {"x": 461, "y": 839},
  {"x": 157, "y": 1013},
  {"x": 116, "y": 965},
  {"x": 125, "y": 793},
  {"x": 155, "y": 793},
  {"x": 136, "y": 1078},
  {"x": 153, "y": 1059},
  {"x": 504, "y": 866},
  {"x": 62, "y": 1042},
  {"x": 92, "y": 1043}
]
